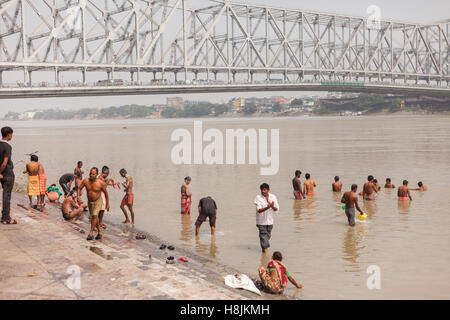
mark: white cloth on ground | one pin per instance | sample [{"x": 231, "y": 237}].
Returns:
[{"x": 241, "y": 281}]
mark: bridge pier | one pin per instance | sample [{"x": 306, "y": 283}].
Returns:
[
  {"x": 29, "y": 78},
  {"x": 83, "y": 72},
  {"x": 132, "y": 77},
  {"x": 1, "y": 78},
  {"x": 57, "y": 77}
]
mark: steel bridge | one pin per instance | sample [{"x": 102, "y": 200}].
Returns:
[{"x": 111, "y": 47}]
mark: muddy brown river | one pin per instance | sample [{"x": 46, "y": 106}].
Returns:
[{"x": 406, "y": 243}]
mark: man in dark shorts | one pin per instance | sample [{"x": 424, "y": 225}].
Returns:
[
  {"x": 351, "y": 201},
  {"x": 6, "y": 174},
  {"x": 207, "y": 208},
  {"x": 66, "y": 183}
]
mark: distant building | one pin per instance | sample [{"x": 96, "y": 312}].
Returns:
[
  {"x": 237, "y": 104},
  {"x": 194, "y": 102},
  {"x": 175, "y": 102},
  {"x": 27, "y": 115}
]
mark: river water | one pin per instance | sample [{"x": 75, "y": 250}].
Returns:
[{"x": 408, "y": 243}]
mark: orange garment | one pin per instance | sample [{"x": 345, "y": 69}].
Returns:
[
  {"x": 42, "y": 184},
  {"x": 403, "y": 199}
]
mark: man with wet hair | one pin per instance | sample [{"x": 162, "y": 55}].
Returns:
[
  {"x": 369, "y": 189},
  {"x": 297, "y": 185},
  {"x": 337, "y": 184},
  {"x": 266, "y": 206},
  {"x": 351, "y": 201},
  {"x": 104, "y": 177},
  {"x": 94, "y": 187},
  {"x": 403, "y": 192},
  {"x": 309, "y": 186},
  {"x": 186, "y": 196},
  {"x": 389, "y": 184},
  {"x": 128, "y": 199}
]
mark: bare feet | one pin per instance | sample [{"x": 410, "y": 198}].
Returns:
[{"x": 126, "y": 221}]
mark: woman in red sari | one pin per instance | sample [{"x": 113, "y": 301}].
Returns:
[
  {"x": 186, "y": 197},
  {"x": 276, "y": 276}
]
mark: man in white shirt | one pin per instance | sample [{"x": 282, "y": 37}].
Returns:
[{"x": 266, "y": 205}]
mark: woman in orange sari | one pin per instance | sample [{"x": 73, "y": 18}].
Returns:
[{"x": 276, "y": 276}]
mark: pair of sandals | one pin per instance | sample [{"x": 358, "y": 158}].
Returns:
[
  {"x": 170, "y": 260},
  {"x": 141, "y": 236},
  {"x": 91, "y": 237},
  {"x": 9, "y": 221},
  {"x": 163, "y": 246}
]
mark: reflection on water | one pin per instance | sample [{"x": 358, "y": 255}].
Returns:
[
  {"x": 370, "y": 208},
  {"x": 352, "y": 246},
  {"x": 187, "y": 231},
  {"x": 206, "y": 245},
  {"x": 313, "y": 234}
]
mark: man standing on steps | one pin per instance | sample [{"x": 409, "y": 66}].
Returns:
[
  {"x": 6, "y": 174},
  {"x": 94, "y": 187}
]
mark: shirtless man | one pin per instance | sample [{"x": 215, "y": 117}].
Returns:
[
  {"x": 186, "y": 196},
  {"x": 94, "y": 187},
  {"x": 421, "y": 187},
  {"x": 351, "y": 201},
  {"x": 389, "y": 184},
  {"x": 309, "y": 185},
  {"x": 377, "y": 185},
  {"x": 32, "y": 168},
  {"x": 70, "y": 209},
  {"x": 78, "y": 174},
  {"x": 42, "y": 184},
  {"x": 369, "y": 189},
  {"x": 128, "y": 199},
  {"x": 337, "y": 185},
  {"x": 109, "y": 182},
  {"x": 403, "y": 192},
  {"x": 297, "y": 184}
]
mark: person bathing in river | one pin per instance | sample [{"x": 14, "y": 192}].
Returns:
[
  {"x": 369, "y": 189},
  {"x": 337, "y": 185},
  {"x": 421, "y": 187},
  {"x": 94, "y": 187},
  {"x": 186, "y": 196},
  {"x": 297, "y": 185},
  {"x": 276, "y": 275},
  {"x": 351, "y": 201},
  {"x": 128, "y": 199},
  {"x": 389, "y": 184},
  {"x": 403, "y": 192},
  {"x": 377, "y": 185},
  {"x": 309, "y": 185},
  {"x": 266, "y": 206}
]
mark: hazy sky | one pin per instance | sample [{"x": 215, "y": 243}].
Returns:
[{"x": 419, "y": 11}]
